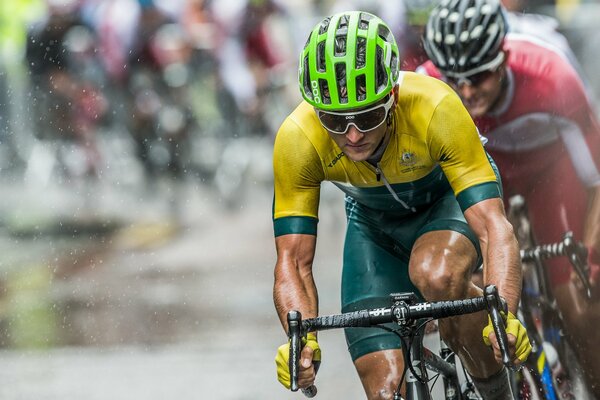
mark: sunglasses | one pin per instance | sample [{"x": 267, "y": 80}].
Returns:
[
  {"x": 478, "y": 75},
  {"x": 471, "y": 80},
  {"x": 364, "y": 121}
]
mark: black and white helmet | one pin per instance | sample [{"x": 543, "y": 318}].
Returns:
[{"x": 463, "y": 37}]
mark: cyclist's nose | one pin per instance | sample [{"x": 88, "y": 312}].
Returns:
[
  {"x": 466, "y": 90},
  {"x": 353, "y": 135}
]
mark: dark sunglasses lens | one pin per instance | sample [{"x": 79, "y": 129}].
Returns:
[
  {"x": 477, "y": 79},
  {"x": 371, "y": 120},
  {"x": 333, "y": 122},
  {"x": 472, "y": 80}
]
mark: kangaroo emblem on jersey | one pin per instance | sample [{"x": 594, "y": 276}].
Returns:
[{"x": 408, "y": 158}]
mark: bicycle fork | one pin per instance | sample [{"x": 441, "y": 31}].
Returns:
[{"x": 416, "y": 386}]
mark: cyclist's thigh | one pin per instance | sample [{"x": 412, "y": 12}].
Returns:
[
  {"x": 446, "y": 215},
  {"x": 376, "y": 255},
  {"x": 374, "y": 266}
]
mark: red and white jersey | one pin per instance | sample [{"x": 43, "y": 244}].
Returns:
[
  {"x": 545, "y": 115},
  {"x": 544, "y": 137}
]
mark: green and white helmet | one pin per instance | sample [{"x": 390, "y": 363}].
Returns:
[{"x": 350, "y": 60}]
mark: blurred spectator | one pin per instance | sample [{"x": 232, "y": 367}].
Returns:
[
  {"x": 417, "y": 13},
  {"x": 157, "y": 74},
  {"x": 14, "y": 16},
  {"x": 66, "y": 83}
]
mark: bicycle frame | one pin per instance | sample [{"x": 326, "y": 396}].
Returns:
[
  {"x": 423, "y": 359},
  {"x": 537, "y": 297}
]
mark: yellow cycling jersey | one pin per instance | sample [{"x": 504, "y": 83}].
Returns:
[{"x": 434, "y": 146}]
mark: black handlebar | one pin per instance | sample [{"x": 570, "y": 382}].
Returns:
[
  {"x": 575, "y": 251},
  {"x": 403, "y": 313}
]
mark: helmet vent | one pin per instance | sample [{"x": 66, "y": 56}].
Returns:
[
  {"x": 385, "y": 33},
  {"x": 341, "y": 36},
  {"x": 361, "y": 84},
  {"x": 324, "y": 26},
  {"x": 364, "y": 21},
  {"x": 324, "y": 89},
  {"x": 306, "y": 78},
  {"x": 321, "y": 57},
  {"x": 381, "y": 76},
  {"x": 361, "y": 45},
  {"x": 340, "y": 75},
  {"x": 340, "y": 46}
]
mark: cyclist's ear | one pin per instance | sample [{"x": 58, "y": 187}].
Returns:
[{"x": 395, "y": 91}]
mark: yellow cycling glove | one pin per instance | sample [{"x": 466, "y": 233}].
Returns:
[
  {"x": 515, "y": 328},
  {"x": 283, "y": 356}
]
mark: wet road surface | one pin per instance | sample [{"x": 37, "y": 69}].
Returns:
[{"x": 153, "y": 307}]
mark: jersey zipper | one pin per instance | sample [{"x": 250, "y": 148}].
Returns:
[{"x": 381, "y": 176}]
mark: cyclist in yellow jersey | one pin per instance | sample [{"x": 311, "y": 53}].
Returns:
[{"x": 423, "y": 204}]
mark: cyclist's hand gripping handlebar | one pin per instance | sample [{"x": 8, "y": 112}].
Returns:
[
  {"x": 295, "y": 333},
  {"x": 496, "y": 305}
]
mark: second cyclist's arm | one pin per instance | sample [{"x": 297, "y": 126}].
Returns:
[
  {"x": 499, "y": 248},
  {"x": 591, "y": 236},
  {"x": 294, "y": 284}
]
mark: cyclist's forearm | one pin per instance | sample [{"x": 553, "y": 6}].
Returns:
[
  {"x": 502, "y": 266},
  {"x": 591, "y": 237},
  {"x": 294, "y": 289},
  {"x": 499, "y": 247}
]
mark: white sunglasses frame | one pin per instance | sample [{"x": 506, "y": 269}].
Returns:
[{"x": 387, "y": 106}]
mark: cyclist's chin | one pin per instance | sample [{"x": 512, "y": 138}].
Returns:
[
  {"x": 358, "y": 154},
  {"x": 477, "y": 107},
  {"x": 478, "y": 110}
]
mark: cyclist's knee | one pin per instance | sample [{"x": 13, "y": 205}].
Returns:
[
  {"x": 440, "y": 283},
  {"x": 380, "y": 373},
  {"x": 441, "y": 263}
]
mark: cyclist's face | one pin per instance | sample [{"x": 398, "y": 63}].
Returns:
[
  {"x": 479, "y": 95},
  {"x": 360, "y": 145}
]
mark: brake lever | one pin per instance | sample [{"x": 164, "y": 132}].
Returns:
[
  {"x": 496, "y": 305},
  {"x": 578, "y": 255},
  {"x": 295, "y": 334},
  {"x": 294, "y": 319}
]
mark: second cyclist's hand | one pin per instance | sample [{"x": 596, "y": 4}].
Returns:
[
  {"x": 593, "y": 262},
  {"x": 519, "y": 346},
  {"x": 310, "y": 357}
]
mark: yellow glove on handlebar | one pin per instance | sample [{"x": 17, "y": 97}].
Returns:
[
  {"x": 283, "y": 356},
  {"x": 515, "y": 328}
]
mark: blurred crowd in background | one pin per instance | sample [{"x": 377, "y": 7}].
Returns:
[
  {"x": 137, "y": 89},
  {"x": 93, "y": 89}
]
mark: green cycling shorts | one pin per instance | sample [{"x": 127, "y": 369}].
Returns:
[{"x": 376, "y": 254}]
